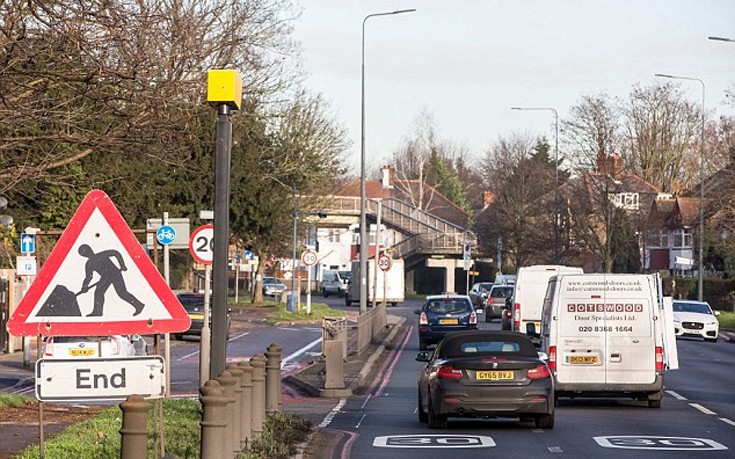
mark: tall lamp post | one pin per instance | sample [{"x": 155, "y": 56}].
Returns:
[
  {"x": 730, "y": 40},
  {"x": 556, "y": 174},
  {"x": 363, "y": 199},
  {"x": 700, "y": 293}
]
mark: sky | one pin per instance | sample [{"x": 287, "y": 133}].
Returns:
[{"x": 467, "y": 62}]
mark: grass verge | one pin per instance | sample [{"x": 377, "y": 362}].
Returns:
[
  {"x": 99, "y": 437},
  {"x": 726, "y": 319},
  {"x": 14, "y": 401},
  {"x": 318, "y": 311}
]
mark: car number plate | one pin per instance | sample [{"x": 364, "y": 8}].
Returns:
[
  {"x": 494, "y": 375},
  {"x": 196, "y": 316},
  {"x": 582, "y": 359},
  {"x": 448, "y": 321},
  {"x": 81, "y": 352}
]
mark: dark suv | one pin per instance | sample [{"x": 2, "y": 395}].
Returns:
[{"x": 442, "y": 314}]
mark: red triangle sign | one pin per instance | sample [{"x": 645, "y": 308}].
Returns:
[{"x": 98, "y": 280}]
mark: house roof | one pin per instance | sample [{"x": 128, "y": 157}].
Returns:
[{"x": 674, "y": 212}]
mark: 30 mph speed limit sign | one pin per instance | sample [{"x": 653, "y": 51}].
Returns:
[
  {"x": 309, "y": 257},
  {"x": 201, "y": 244},
  {"x": 385, "y": 262}
]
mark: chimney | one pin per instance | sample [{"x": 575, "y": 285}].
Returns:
[{"x": 387, "y": 176}]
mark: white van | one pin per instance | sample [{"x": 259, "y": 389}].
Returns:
[
  {"x": 335, "y": 282},
  {"x": 530, "y": 288},
  {"x": 608, "y": 335}
]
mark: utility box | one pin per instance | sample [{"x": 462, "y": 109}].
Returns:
[{"x": 224, "y": 87}]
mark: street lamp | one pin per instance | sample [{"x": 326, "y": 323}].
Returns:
[
  {"x": 722, "y": 39},
  {"x": 363, "y": 220},
  {"x": 556, "y": 174},
  {"x": 701, "y": 184}
]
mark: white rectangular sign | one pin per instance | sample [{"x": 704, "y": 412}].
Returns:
[
  {"x": 66, "y": 380},
  {"x": 26, "y": 265}
]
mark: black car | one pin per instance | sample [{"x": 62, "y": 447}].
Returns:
[
  {"x": 485, "y": 374},
  {"x": 478, "y": 294},
  {"x": 442, "y": 314},
  {"x": 194, "y": 305}
]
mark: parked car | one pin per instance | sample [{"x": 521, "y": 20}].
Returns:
[
  {"x": 272, "y": 286},
  {"x": 485, "y": 373},
  {"x": 194, "y": 304},
  {"x": 496, "y": 301},
  {"x": 696, "y": 318},
  {"x": 73, "y": 347},
  {"x": 478, "y": 293},
  {"x": 442, "y": 314}
]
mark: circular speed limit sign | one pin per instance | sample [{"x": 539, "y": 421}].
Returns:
[
  {"x": 385, "y": 262},
  {"x": 201, "y": 244},
  {"x": 309, "y": 257}
]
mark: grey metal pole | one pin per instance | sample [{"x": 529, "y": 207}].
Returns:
[
  {"x": 292, "y": 302},
  {"x": 221, "y": 240},
  {"x": 700, "y": 264},
  {"x": 363, "y": 199}
]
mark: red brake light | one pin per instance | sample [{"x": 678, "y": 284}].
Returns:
[
  {"x": 473, "y": 318},
  {"x": 517, "y": 316},
  {"x": 540, "y": 372},
  {"x": 552, "y": 358},
  {"x": 659, "y": 358},
  {"x": 423, "y": 320},
  {"x": 447, "y": 372}
]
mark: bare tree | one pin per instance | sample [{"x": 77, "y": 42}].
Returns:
[
  {"x": 592, "y": 130},
  {"x": 662, "y": 136}
]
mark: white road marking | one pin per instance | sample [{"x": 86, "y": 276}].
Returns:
[
  {"x": 301, "y": 351},
  {"x": 675, "y": 395},
  {"x": 727, "y": 421},
  {"x": 357, "y": 426},
  {"x": 555, "y": 449},
  {"x": 702, "y": 409},
  {"x": 330, "y": 416}
]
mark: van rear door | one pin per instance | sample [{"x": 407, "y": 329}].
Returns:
[{"x": 605, "y": 327}]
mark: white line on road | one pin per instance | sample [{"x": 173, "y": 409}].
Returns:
[
  {"x": 301, "y": 351},
  {"x": 727, "y": 421},
  {"x": 360, "y": 422},
  {"x": 702, "y": 409},
  {"x": 328, "y": 418},
  {"x": 555, "y": 449},
  {"x": 675, "y": 395}
]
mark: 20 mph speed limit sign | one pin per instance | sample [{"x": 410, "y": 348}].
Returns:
[
  {"x": 385, "y": 262},
  {"x": 201, "y": 244}
]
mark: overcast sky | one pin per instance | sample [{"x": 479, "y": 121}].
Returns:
[{"x": 467, "y": 62}]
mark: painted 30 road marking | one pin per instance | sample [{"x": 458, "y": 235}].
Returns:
[
  {"x": 660, "y": 443},
  {"x": 434, "y": 441}
]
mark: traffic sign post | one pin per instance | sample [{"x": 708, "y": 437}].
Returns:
[
  {"x": 201, "y": 247},
  {"x": 309, "y": 257}
]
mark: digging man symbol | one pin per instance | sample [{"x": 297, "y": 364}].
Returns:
[{"x": 110, "y": 274}]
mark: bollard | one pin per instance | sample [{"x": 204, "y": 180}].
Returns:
[
  {"x": 335, "y": 365},
  {"x": 134, "y": 431},
  {"x": 237, "y": 373},
  {"x": 227, "y": 381},
  {"x": 246, "y": 410},
  {"x": 273, "y": 401},
  {"x": 258, "y": 363},
  {"x": 214, "y": 411}
]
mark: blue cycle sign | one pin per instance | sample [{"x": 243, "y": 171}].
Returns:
[{"x": 165, "y": 234}]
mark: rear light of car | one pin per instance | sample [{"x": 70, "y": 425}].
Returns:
[
  {"x": 448, "y": 372},
  {"x": 49, "y": 348},
  {"x": 423, "y": 320},
  {"x": 540, "y": 372},
  {"x": 517, "y": 317},
  {"x": 473, "y": 318},
  {"x": 659, "y": 358},
  {"x": 552, "y": 358}
]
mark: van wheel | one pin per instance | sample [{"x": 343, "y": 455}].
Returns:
[
  {"x": 324, "y": 292},
  {"x": 654, "y": 403},
  {"x": 545, "y": 421}
]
